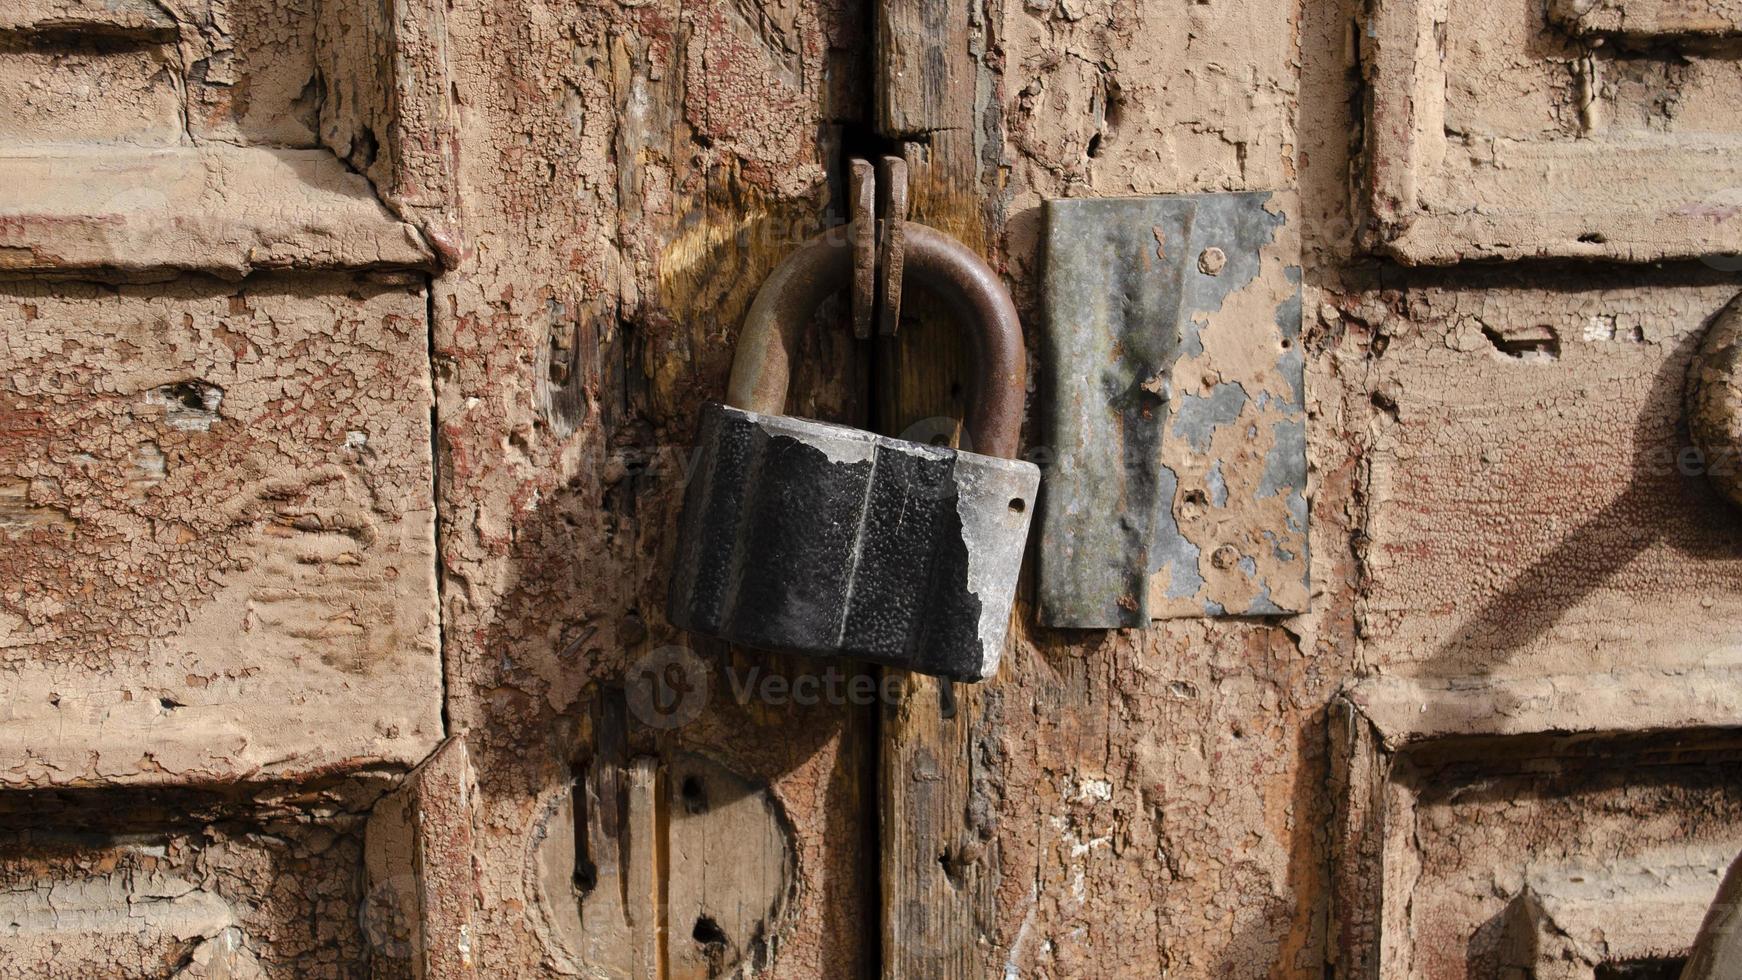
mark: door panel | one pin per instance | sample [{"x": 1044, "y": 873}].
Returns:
[
  {"x": 219, "y": 559},
  {"x": 219, "y": 630},
  {"x": 354, "y": 353}
]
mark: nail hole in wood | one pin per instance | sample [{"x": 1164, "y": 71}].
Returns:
[
  {"x": 695, "y": 799},
  {"x": 708, "y": 932}
]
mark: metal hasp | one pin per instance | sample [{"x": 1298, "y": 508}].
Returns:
[
  {"x": 814, "y": 538},
  {"x": 1174, "y": 410}
]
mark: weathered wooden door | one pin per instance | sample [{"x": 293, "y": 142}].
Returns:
[{"x": 352, "y": 352}]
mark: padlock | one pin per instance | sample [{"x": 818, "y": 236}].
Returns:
[{"x": 814, "y": 538}]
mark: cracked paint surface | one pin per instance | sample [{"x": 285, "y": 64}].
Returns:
[
  {"x": 1139, "y": 802},
  {"x": 207, "y": 576}
]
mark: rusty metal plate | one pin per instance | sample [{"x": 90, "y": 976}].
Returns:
[{"x": 1175, "y": 415}]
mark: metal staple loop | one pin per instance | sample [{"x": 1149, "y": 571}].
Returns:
[
  {"x": 891, "y": 243},
  {"x": 879, "y": 202},
  {"x": 862, "y": 234},
  {"x": 969, "y": 289}
]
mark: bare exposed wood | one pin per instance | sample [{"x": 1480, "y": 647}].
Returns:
[
  {"x": 923, "y": 68},
  {"x": 644, "y": 877},
  {"x": 664, "y": 865},
  {"x": 728, "y": 869},
  {"x": 937, "y": 872},
  {"x": 938, "y": 864}
]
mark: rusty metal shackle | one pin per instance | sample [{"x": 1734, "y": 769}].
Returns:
[{"x": 971, "y": 291}]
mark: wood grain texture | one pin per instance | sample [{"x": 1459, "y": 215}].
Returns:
[
  {"x": 925, "y": 75},
  {"x": 938, "y": 871},
  {"x": 1492, "y": 536},
  {"x": 654, "y": 862}
]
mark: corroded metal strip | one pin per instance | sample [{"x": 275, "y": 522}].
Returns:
[
  {"x": 862, "y": 234},
  {"x": 1175, "y": 410},
  {"x": 891, "y": 243}
]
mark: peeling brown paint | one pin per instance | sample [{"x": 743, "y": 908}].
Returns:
[
  {"x": 264, "y": 526},
  {"x": 1491, "y": 518}
]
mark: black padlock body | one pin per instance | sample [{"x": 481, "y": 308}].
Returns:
[{"x": 811, "y": 538}]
